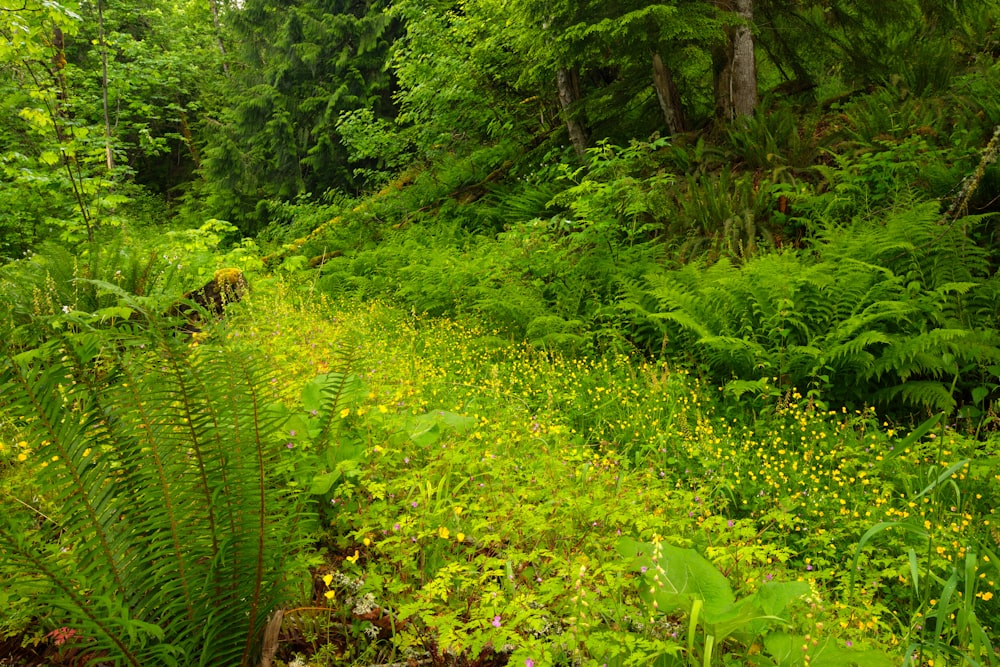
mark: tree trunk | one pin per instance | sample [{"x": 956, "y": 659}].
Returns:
[
  {"x": 569, "y": 94},
  {"x": 59, "y": 116},
  {"x": 188, "y": 139},
  {"x": 108, "y": 154},
  {"x": 736, "y": 81},
  {"x": 669, "y": 97},
  {"x": 218, "y": 35}
]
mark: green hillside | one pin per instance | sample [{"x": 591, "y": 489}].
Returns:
[{"x": 499, "y": 332}]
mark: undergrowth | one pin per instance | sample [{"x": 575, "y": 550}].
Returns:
[{"x": 499, "y": 483}]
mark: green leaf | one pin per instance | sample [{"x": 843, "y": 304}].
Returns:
[
  {"x": 787, "y": 651},
  {"x": 322, "y": 484},
  {"x": 774, "y": 597},
  {"x": 945, "y": 475},
  {"x": 675, "y": 576},
  {"x": 312, "y": 394},
  {"x": 50, "y": 158},
  {"x": 114, "y": 313},
  {"x": 428, "y": 428}
]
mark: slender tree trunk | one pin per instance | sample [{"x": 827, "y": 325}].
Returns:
[
  {"x": 669, "y": 97},
  {"x": 213, "y": 4},
  {"x": 569, "y": 94},
  {"x": 736, "y": 79},
  {"x": 104, "y": 86},
  {"x": 59, "y": 78},
  {"x": 57, "y": 113},
  {"x": 188, "y": 138}
]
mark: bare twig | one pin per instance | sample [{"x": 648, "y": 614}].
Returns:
[{"x": 36, "y": 511}]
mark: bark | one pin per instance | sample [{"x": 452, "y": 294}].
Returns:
[
  {"x": 960, "y": 206},
  {"x": 59, "y": 117},
  {"x": 108, "y": 154},
  {"x": 668, "y": 95},
  {"x": 59, "y": 76},
  {"x": 736, "y": 83},
  {"x": 569, "y": 94},
  {"x": 218, "y": 35},
  {"x": 188, "y": 139}
]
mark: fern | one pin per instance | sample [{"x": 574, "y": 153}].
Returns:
[
  {"x": 927, "y": 394},
  {"x": 171, "y": 543},
  {"x": 882, "y": 311},
  {"x": 334, "y": 388}
]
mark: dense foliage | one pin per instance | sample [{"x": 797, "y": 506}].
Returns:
[{"x": 578, "y": 333}]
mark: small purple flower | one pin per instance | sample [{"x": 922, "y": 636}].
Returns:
[
  {"x": 290, "y": 445},
  {"x": 529, "y": 663},
  {"x": 809, "y": 567},
  {"x": 849, "y": 643},
  {"x": 496, "y": 622},
  {"x": 395, "y": 526},
  {"x": 292, "y": 433},
  {"x": 643, "y": 569},
  {"x": 730, "y": 523},
  {"x": 406, "y": 459},
  {"x": 414, "y": 503}
]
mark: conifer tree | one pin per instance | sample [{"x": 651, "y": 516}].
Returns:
[{"x": 297, "y": 67}]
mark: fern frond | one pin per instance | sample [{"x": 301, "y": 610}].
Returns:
[
  {"x": 685, "y": 321},
  {"x": 927, "y": 394},
  {"x": 155, "y": 458},
  {"x": 746, "y": 358},
  {"x": 336, "y": 386},
  {"x": 853, "y": 353},
  {"x": 930, "y": 353}
]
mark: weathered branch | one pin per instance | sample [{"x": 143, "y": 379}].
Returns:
[{"x": 960, "y": 205}]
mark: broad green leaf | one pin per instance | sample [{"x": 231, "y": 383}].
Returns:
[
  {"x": 114, "y": 312},
  {"x": 50, "y": 158},
  {"x": 428, "y": 428},
  {"x": 312, "y": 394},
  {"x": 787, "y": 651},
  {"x": 774, "y": 597},
  {"x": 675, "y": 576},
  {"x": 321, "y": 484},
  {"x": 425, "y": 434}
]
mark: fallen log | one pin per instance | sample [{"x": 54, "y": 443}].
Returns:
[{"x": 226, "y": 286}]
